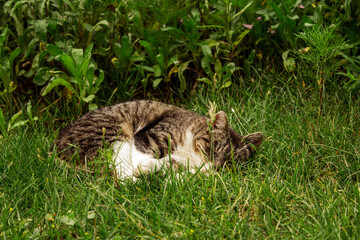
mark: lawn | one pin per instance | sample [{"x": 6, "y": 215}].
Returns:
[{"x": 303, "y": 183}]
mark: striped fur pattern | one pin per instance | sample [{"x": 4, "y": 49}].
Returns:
[{"x": 150, "y": 130}]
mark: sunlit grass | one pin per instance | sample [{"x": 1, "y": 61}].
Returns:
[{"x": 304, "y": 182}]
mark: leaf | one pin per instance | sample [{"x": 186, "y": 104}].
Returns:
[
  {"x": 157, "y": 70},
  {"x": 2, "y": 123},
  {"x": 42, "y": 76},
  {"x": 86, "y": 59},
  {"x": 54, "y": 50},
  {"x": 125, "y": 43},
  {"x": 285, "y": 54},
  {"x": 160, "y": 60},
  {"x": 196, "y": 15},
  {"x": 89, "y": 98},
  {"x": 240, "y": 38},
  {"x": 249, "y": 61},
  {"x": 42, "y": 9},
  {"x": 77, "y": 54},
  {"x": 69, "y": 64},
  {"x": 275, "y": 27},
  {"x": 14, "y": 117},
  {"x": 352, "y": 61},
  {"x": 168, "y": 29},
  {"x": 30, "y": 47},
  {"x": 206, "y": 67},
  {"x": 266, "y": 12},
  {"x": 99, "y": 80},
  {"x": 295, "y": 17},
  {"x": 144, "y": 82},
  {"x": 181, "y": 76},
  {"x": 156, "y": 82},
  {"x": 91, "y": 214},
  {"x": 94, "y": 29},
  {"x": 347, "y": 6},
  {"x": 205, "y": 80},
  {"x": 124, "y": 51},
  {"x": 18, "y": 124},
  {"x": 146, "y": 68},
  {"x": 28, "y": 111},
  {"x": 289, "y": 62},
  {"x": 66, "y": 220},
  {"x": 38, "y": 59},
  {"x": 226, "y": 85},
  {"x": 13, "y": 55},
  {"x": 12, "y": 87},
  {"x": 207, "y": 53},
  {"x": 92, "y": 106},
  {"x": 148, "y": 48},
  {"x": 90, "y": 72},
  {"x": 242, "y": 10},
  {"x": 229, "y": 69},
  {"x": 87, "y": 54},
  {"x": 98, "y": 26},
  {"x": 40, "y": 28},
  {"x": 218, "y": 69},
  {"x": 173, "y": 60},
  {"x": 57, "y": 82},
  {"x": 18, "y": 4},
  {"x": 70, "y": 5},
  {"x": 119, "y": 53}
]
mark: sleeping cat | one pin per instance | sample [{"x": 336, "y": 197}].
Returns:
[{"x": 142, "y": 133}]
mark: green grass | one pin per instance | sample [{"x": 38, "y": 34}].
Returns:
[{"x": 303, "y": 184}]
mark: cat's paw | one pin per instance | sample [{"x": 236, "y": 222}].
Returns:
[{"x": 147, "y": 166}]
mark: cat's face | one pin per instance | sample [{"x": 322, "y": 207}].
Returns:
[{"x": 230, "y": 146}]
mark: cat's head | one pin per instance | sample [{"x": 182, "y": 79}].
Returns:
[{"x": 228, "y": 145}]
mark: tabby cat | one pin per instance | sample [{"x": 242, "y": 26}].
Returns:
[{"x": 142, "y": 133}]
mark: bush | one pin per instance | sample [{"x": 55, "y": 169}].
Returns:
[{"x": 65, "y": 49}]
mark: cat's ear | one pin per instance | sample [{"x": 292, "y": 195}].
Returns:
[
  {"x": 221, "y": 121},
  {"x": 255, "y": 138},
  {"x": 252, "y": 141}
]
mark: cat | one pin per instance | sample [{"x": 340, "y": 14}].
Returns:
[{"x": 142, "y": 133}]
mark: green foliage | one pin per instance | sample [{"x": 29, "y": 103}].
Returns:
[
  {"x": 7, "y": 69},
  {"x": 154, "y": 48},
  {"x": 353, "y": 73},
  {"x": 15, "y": 122},
  {"x": 82, "y": 81},
  {"x": 321, "y": 59},
  {"x": 218, "y": 76}
]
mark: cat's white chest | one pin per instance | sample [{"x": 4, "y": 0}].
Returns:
[{"x": 186, "y": 153}]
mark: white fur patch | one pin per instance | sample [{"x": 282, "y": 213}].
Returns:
[
  {"x": 130, "y": 162},
  {"x": 122, "y": 160},
  {"x": 186, "y": 154}
]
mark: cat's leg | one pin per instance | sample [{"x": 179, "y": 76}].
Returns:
[
  {"x": 145, "y": 163},
  {"x": 129, "y": 162},
  {"x": 207, "y": 167},
  {"x": 150, "y": 165},
  {"x": 189, "y": 163},
  {"x": 122, "y": 160}
]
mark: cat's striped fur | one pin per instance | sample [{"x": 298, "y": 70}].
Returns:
[{"x": 140, "y": 131}]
